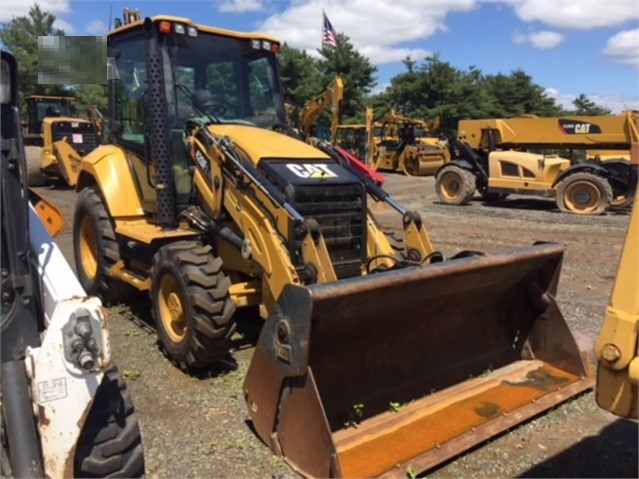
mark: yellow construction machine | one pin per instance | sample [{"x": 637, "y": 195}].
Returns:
[
  {"x": 56, "y": 140},
  {"x": 403, "y": 146},
  {"x": 204, "y": 203},
  {"x": 332, "y": 96},
  {"x": 617, "y": 347},
  {"x": 492, "y": 159}
]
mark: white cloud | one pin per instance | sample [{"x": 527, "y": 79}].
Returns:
[
  {"x": 543, "y": 40},
  {"x": 20, "y": 8},
  {"x": 613, "y": 101},
  {"x": 239, "y": 6},
  {"x": 624, "y": 47},
  {"x": 96, "y": 27},
  {"x": 377, "y": 28},
  {"x": 575, "y": 14},
  {"x": 64, "y": 25}
]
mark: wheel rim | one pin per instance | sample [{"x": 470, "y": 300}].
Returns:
[
  {"x": 88, "y": 247},
  {"x": 582, "y": 197},
  {"x": 451, "y": 185},
  {"x": 622, "y": 201},
  {"x": 171, "y": 308}
]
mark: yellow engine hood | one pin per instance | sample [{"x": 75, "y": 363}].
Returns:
[{"x": 261, "y": 143}]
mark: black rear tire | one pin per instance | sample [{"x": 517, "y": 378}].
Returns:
[
  {"x": 455, "y": 185},
  {"x": 584, "y": 193},
  {"x": 95, "y": 248},
  {"x": 192, "y": 307},
  {"x": 110, "y": 444}
]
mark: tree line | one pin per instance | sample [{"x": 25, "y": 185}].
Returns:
[{"x": 426, "y": 89}]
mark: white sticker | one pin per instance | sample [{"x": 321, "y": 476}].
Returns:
[
  {"x": 52, "y": 390},
  {"x": 311, "y": 170},
  {"x": 77, "y": 138}
]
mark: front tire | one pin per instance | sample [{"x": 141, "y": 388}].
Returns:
[
  {"x": 585, "y": 194},
  {"x": 110, "y": 444},
  {"x": 192, "y": 307},
  {"x": 95, "y": 248},
  {"x": 455, "y": 185}
]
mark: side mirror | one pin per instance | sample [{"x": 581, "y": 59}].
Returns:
[
  {"x": 8, "y": 79},
  {"x": 116, "y": 129}
]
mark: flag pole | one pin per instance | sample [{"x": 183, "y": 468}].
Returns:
[{"x": 322, "y": 30}]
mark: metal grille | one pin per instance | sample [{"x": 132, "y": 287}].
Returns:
[
  {"x": 80, "y": 135},
  {"x": 340, "y": 211}
]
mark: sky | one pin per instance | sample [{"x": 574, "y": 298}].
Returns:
[{"x": 568, "y": 47}]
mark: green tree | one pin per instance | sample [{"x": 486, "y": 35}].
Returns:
[
  {"x": 434, "y": 88},
  {"x": 20, "y": 36},
  {"x": 301, "y": 78},
  {"x": 356, "y": 71},
  {"x": 517, "y": 94},
  {"x": 585, "y": 106},
  {"x": 90, "y": 95}
]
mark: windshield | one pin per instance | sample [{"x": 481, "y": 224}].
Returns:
[
  {"x": 47, "y": 108},
  {"x": 232, "y": 80}
]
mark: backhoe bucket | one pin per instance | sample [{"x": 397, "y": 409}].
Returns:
[{"x": 399, "y": 371}]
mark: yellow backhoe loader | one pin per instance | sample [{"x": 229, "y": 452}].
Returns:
[
  {"x": 376, "y": 355},
  {"x": 56, "y": 140},
  {"x": 332, "y": 96},
  {"x": 493, "y": 161},
  {"x": 617, "y": 348},
  {"x": 403, "y": 146}
]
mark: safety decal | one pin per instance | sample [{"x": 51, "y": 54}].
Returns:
[{"x": 52, "y": 389}]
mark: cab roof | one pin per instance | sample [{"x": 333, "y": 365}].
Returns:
[{"x": 202, "y": 28}]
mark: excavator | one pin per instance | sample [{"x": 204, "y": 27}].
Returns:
[
  {"x": 55, "y": 139},
  {"x": 65, "y": 410},
  {"x": 378, "y": 354},
  {"x": 491, "y": 158},
  {"x": 402, "y": 145},
  {"x": 617, "y": 346}
]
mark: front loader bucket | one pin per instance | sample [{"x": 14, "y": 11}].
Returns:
[{"x": 402, "y": 370}]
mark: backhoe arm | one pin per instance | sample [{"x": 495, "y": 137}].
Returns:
[
  {"x": 332, "y": 95},
  {"x": 617, "y": 347}
]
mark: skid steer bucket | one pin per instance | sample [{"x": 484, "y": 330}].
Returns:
[{"x": 402, "y": 370}]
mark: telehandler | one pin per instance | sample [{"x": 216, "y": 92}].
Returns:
[
  {"x": 491, "y": 159},
  {"x": 55, "y": 139},
  {"x": 376, "y": 355},
  {"x": 617, "y": 346},
  {"x": 65, "y": 409}
]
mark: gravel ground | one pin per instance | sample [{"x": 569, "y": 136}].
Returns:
[{"x": 198, "y": 426}]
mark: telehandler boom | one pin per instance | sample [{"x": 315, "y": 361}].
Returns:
[{"x": 203, "y": 202}]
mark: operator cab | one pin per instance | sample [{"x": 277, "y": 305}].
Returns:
[{"x": 208, "y": 75}]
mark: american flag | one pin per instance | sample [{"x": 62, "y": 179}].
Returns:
[{"x": 329, "y": 34}]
